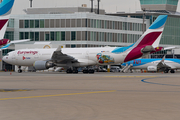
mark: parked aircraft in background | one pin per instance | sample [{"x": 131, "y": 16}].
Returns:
[
  {"x": 5, "y": 11},
  {"x": 6, "y": 43},
  {"x": 153, "y": 65},
  {"x": 72, "y": 58}
]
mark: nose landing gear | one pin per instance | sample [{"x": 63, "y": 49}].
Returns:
[{"x": 19, "y": 71}]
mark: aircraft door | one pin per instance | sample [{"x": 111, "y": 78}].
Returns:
[
  {"x": 36, "y": 56},
  {"x": 87, "y": 55},
  {"x": 14, "y": 58},
  {"x": 18, "y": 57}
]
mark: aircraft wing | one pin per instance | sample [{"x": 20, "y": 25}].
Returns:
[
  {"x": 19, "y": 41},
  {"x": 12, "y": 42},
  {"x": 169, "y": 48},
  {"x": 60, "y": 58}
]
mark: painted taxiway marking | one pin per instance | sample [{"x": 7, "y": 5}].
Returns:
[
  {"x": 145, "y": 81},
  {"x": 131, "y": 76},
  {"x": 43, "y": 96},
  {"x": 11, "y": 90}
]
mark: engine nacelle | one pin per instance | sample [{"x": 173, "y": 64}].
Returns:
[
  {"x": 152, "y": 68},
  {"x": 43, "y": 65}
]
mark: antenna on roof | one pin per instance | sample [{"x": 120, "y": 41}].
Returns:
[
  {"x": 98, "y": 7},
  {"x": 91, "y": 5}
]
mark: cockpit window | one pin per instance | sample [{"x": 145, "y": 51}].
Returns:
[{"x": 7, "y": 55}]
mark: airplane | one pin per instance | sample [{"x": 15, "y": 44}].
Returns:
[
  {"x": 5, "y": 43},
  {"x": 5, "y": 10},
  {"x": 72, "y": 58},
  {"x": 154, "y": 65}
]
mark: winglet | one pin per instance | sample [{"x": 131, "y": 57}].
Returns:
[
  {"x": 163, "y": 58},
  {"x": 59, "y": 48},
  {"x": 161, "y": 63}
]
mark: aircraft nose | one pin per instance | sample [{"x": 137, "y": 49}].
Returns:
[{"x": 4, "y": 58}]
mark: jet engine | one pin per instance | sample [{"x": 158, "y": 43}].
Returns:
[
  {"x": 152, "y": 68},
  {"x": 43, "y": 65}
]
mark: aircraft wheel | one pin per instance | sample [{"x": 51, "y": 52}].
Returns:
[
  {"x": 75, "y": 71},
  {"x": 20, "y": 71},
  {"x": 172, "y": 71},
  {"x": 91, "y": 71},
  {"x": 85, "y": 71},
  {"x": 166, "y": 71},
  {"x": 69, "y": 71}
]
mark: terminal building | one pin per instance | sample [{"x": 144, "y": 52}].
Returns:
[{"x": 73, "y": 27}]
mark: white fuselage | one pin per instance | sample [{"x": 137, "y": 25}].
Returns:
[{"x": 85, "y": 56}]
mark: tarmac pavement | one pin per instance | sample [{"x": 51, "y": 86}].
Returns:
[{"x": 99, "y": 96}]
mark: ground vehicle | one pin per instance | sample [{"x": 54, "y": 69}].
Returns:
[
  {"x": 115, "y": 69},
  {"x": 101, "y": 69}
]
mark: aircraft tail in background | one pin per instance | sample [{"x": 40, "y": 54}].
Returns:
[
  {"x": 5, "y": 10},
  {"x": 149, "y": 41}
]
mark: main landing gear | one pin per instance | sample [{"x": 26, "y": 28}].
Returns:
[
  {"x": 172, "y": 71},
  {"x": 74, "y": 70},
  {"x": 90, "y": 71},
  {"x": 19, "y": 70},
  {"x": 167, "y": 70}
]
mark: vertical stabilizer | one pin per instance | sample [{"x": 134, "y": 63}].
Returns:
[
  {"x": 150, "y": 38},
  {"x": 5, "y": 10}
]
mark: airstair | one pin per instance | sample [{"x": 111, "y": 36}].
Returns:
[
  {"x": 126, "y": 68},
  {"x": 57, "y": 69}
]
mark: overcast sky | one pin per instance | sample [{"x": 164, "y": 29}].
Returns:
[{"x": 110, "y": 6}]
